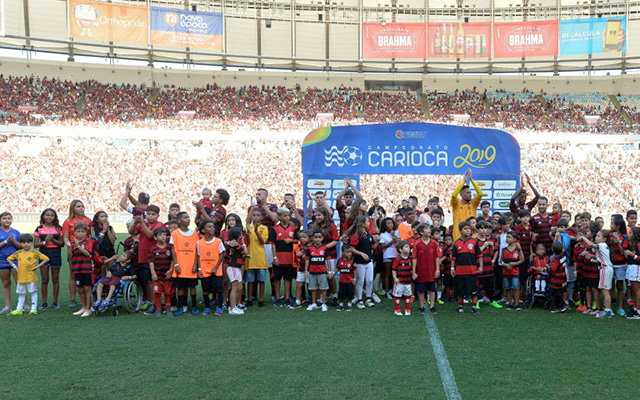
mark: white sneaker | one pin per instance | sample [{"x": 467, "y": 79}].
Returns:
[
  {"x": 389, "y": 295},
  {"x": 369, "y": 303},
  {"x": 375, "y": 298},
  {"x": 312, "y": 307},
  {"x": 360, "y": 304},
  {"x": 324, "y": 307},
  {"x": 502, "y": 300},
  {"x": 407, "y": 313},
  {"x": 174, "y": 309},
  {"x": 397, "y": 313},
  {"x": 185, "y": 309},
  {"x": 236, "y": 311}
]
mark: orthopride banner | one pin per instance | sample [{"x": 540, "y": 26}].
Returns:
[
  {"x": 172, "y": 27},
  {"x": 414, "y": 149},
  {"x": 104, "y": 22},
  {"x": 394, "y": 40},
  {"x": 525, "y": 39},
  {"x": 593, "y": 35}
]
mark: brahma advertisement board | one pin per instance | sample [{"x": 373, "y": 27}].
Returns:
[
  {"x": 172, "y": 27},
  {"x": 394, "y": 40},
  {"x": 104, "y": 22},
  {"x": 593, "y": 36},
  {"x": 525, "y": 39},
  {"x": 461, "y": 40}
]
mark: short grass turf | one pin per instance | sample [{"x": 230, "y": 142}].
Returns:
[{"x": 276, "y": 353}]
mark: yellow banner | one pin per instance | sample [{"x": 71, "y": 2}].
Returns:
[{"x": 103, "y": 22}]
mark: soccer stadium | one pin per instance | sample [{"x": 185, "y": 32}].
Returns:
[{"x": 353, "y": 199}]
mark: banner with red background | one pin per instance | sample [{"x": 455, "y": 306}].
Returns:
[
  {"x": 466, "y": 40},
  {"x": 394, "y": 40},
  {"x": 525, "y": 39}
]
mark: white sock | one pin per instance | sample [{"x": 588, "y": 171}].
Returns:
[
  {"x": 34, "y": 300},
  {"x": 298, "y": 302},
  {"x": 538, "y": 284},
  {"x": 22, "y": 298},
  {"x": 543, "y": 285}
]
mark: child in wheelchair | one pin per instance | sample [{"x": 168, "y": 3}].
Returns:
[
  {"x": 121, "y": 270},
  {"x": 538, "y": 270}
]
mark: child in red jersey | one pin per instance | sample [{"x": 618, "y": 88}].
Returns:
[
  {"x": 402, "y": 272},
  {"x": 486, "y": 279},
  {"x": 76, "y": 214},
  {"x": 538, "y": 269},
  {"x": 558, "y": 278},
  {"x": 523, "y": 229},
  {"x": 425, "y": 268},
  {"x": 466, "y": 264},
  {"x": 161, "y": 271},
  {"x": 512, "y": 257},
  {"x": 299, "y": 249},
  {"x": 285, "y": 236},
  {"x": 445, "y": 269},
  {"x": 347, "y": 282},
  {"x": 317, "y": 267},
  {"x": 82, "y": 266},
  {"x": 237, "y": 251}
]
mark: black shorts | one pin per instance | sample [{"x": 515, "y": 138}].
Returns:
[
  {"x": 378, "y": 268},
  {"x": 183, "y": 283},
  {"x": 424, "y": 287},
  {"x": 345, "y": 291},
  {"x": 524, "y": 274},
  {"x": 448, "y": 281},
  {"x": 284, "y": 272},
  {"x": 83, "y": 279},
  {"x": 143, "y": 273},
  {"x": 212, "y": 282},
  {"x": 466, "y": 285},
  {"x": 591, "y": 282}
]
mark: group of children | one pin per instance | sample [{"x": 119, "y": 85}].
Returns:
[{"x": 491, "y": 260}]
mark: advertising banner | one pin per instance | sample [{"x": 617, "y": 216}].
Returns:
[
  {"x": 104, "y": 22},
  {"x": 525, "y": 39},
  {"x": 593, "y": 35},
  {"x": 463, "y": 40},
  {"x": 394, "y": 40},
  {"x": 2, "y": 29},
  {"x": 173, "y": 27}
]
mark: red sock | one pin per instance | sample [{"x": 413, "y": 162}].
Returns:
[
  {"x": 158, "y": 298},
  {"x": 474, "y": 304},
  {"x": 460, "y": 302},
  {"x": 167, "y": 302},
  {"x": 407, "y": 305},
  {"x": 397, "y": 304}
]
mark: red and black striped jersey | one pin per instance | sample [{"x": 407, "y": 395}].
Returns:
[
  {"x": 347, "y": 269},
  {"x": 557, "y": 274},
  {"x": 161, "y": 259},
  {"x": 218, "y": 216},
  {"x": 236, "y": 256},
  {"x": 80, "y": 263},
  {"x": 445, "y": 266},
  {"x": 284, "y": 251},
  {"x": 487, "y": 256},
  {"x": 542, "y": 226},
  {"x": 317, "y": 257},
  {"x": 524, "y": 238},
  {"x": 403, "y": 268},
  {"x": 466, "y": 254},
  {"x": 591, "y": 268},
  {"x": 511, "y": 256},
  {"x": 332, "y": 253},
  {"x": 412, "y": 244},
  {"x": 130, "y": 244},
  {"x": 618, "y": 257},
  {"x": 300, "y": 248}
]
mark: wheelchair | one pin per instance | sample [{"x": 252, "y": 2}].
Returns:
[{"x": 128, "y": 295}]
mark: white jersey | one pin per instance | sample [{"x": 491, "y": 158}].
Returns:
[{"x": 602, "y": 254}]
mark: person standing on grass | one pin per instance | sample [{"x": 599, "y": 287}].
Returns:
[
  {"x": 465, "y": 265},
  {"x": 466, "y": 206},
  {"x": 161, "y": 270},
  {"x": 210, "y": 255},
  {"x": 402, "y": 270},
  {"x": 602, "y": 243},
  {"x": 256, "y": 266},
  {"x": 512, "y": 257},
  {"x": 9, "y": 244},
  {"x": 633, "y": 270},
  {"x": 426, "y": 268},
  {"x": 286, "y": 235},
  {"x": 82, "y": 250},
  {"x": 27, "y": 280},
  {"x": 76, "y": 214},
  {"x": 237, "y": 253},
  {"x": 558, "y": 278},
  {"x": 317, "y": 267},
  {"x": 48, "y": 240},
  {"x": 185, "y": 265},
  {"x": 362, "y": 245}
]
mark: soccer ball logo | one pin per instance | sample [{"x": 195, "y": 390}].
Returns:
[{"x": 348, "y": 155}]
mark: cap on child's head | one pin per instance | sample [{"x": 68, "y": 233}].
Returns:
[
  {"x": 26, "y": 238},
  {"x": 557, "y": 248}
]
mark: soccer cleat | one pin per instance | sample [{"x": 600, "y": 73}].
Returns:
[
  {"x": 397, "y": 313},
  {"x": 206, "y": 311},
  {"x": 44, "y": 306},
  {"x": 174, "y": 309},
  {"x": 144, "y": 306},
  {"x": 380, "y": 292},
  {"x": 261, "y": 304},
  {"x": 15, "y": 312},
  {"x": 478, "y": 305},
  {"x": 158, "y": 313},
  {"x": 236, "y": 311},
  {"x": 55, "y": 306},
  {"x": 185, "y": 308},
  {"x": 241, "y": 306},
  {"x": 178, "y": 312},
  {"x": 194, "y": 311},
  {"x": 73, "y": 303},
  {"x": 459, "y": 310},
  {"x": 287, "y": 303},
  {"x": 369, "y": 303},
  {"x": 375, "y": 298},
  {"x": 312, "y": 306},
  {"x": 421, "y": 310},
  {"x": 349, "y": 307},
  {"x": 440, "y": 301},
  {"x": 587, "y": 311},
  {"x": 621, "y": 312},
  {"x": 433, "y": 310},
  {"x": 324, "y": 308},
  {"x": 33, "y": 312},
  {"x": 495, "y": 304},
  {"x": 474, "y": 310},
  {"x": 218, "y": 312},
  {"x": 340, "y": 307},
  {"x": 360, "y": 304}
]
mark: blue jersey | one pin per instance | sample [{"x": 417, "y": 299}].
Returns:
[{"x": 9, "y": 248}]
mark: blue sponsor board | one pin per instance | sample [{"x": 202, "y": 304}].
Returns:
[{"x": 593, "y": 35}]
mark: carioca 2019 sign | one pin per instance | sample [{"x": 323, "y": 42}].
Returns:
[{"x": 410, "y": 148}]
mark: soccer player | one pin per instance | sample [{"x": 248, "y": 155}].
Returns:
[
  {"x": 286, "y": 236},
  {"x": 317, "y": 267},
  {"x": 300, "y": 250},
  {"x": 145, "y": 227},
  {"x": 464, "y": 207},
  {"x": 485, "y": 208},
  {"x": 344, "y": 200},
  {"x": 633, "y": 270},
  {"x": 185, "y": 265},
  {"x": 523, "y": 229},
  {"x": 602, "y": 245},
  {"x": 294, "y": 212},
  {"x": 541, "y": 225},
  {"x": 320, "y": 200},
  {"x": 330, "y": 239},
  {"x": 27, "y": 280},
  {"x": 425, "y": 268},
  {"x": 466, "y": 263},
  {"x": 519, "y": 199},
  {"x": 217, "y": 213},
  {"x": 347, "y": 270},
  {"x": 620, "y": 241},
  {"x": 161, "y": 269}
]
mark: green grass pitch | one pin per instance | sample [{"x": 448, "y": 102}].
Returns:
[{"x": 275, "y": 353}]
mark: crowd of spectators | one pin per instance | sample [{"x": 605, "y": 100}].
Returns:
[{"x": 443, "y": 106}]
